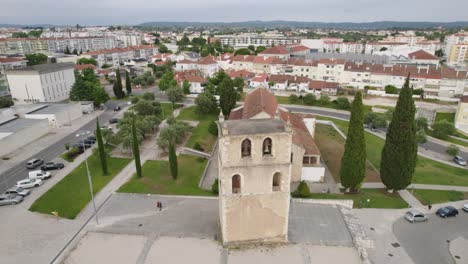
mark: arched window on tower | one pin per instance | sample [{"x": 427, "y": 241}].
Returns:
[
  {"x": 236, "y": 183},
  {"x": 277, "y": 182},
  {"x": 246, "y": 148},
  {"x": 267, "y": 144}
]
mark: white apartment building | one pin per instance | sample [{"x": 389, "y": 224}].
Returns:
[
  {"x": 41, "y": 83},
  {"x": 118, "y": 56},
  {"x": 255, "y": 39}
]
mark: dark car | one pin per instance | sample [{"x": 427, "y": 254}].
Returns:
[
  {"x": 34, "y": 163},
  {"x": 93, "y": 138},
  {"x": 52, "y": 166},
  {"x": 113, "y": 120},
  {"x": 80, "y": 146},
  {"x": 117, "y": 108},
  {"x": 447, "y": 211},
  {"x": 87, "y": 142}
]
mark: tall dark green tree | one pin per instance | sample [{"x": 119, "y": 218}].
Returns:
[
  {"x": 353, "y": 162},
  {"x": 128, "y": 83},
  {"x": 118, "y": 89},
  {"x": 102, "y": 151},
  {"x": 400, "y": 150},
  {"x": 173, "y": 160},
  {"x": 136, "y": 150},
  {"x": 227, "y": 96}
]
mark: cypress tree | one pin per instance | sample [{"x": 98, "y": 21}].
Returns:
[
  {"x": 227, "y": 96},
  {"x": 400, "y": 150},
  {"x": 353, "y": 162},
  {"x": 173, "y": 160},
  {"x": 128, "y": 84},
  {"x": 102, "y": 151},
  {"x": 118, "y": 85},
  {"x": 136, "y": 150}
]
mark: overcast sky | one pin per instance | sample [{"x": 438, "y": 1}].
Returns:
[{"x": 100, "y": 12}]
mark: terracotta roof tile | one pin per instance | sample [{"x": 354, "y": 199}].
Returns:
[{"x": 422, "y": 55}]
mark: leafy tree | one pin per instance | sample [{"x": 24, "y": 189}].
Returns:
[
  {"x": 353, "y": 162},
  {"x": 213, "y": 128},
  {"x": 36, "y": 58},
  {"x": 400, "y": 150},
  {"x": 239, "y": 84},
  {"x": 6, "y": 102},
  {"x": 146, "y": 108},
  {"x": 87, "y": 61},
  {"x": 19, "y": 35},
  {"x": 197, "y": 146},
  {"x": 134, "y": 99},
  {"x": 167, "y": 81},
  {"x": 302, "y": 191},
  {"x": 293, "y": 99},
  {"x": 136, "y": 150},
  {"x": 186, "y": 87},
  {"x": 227, "y": 96},
  {"x": 453, "y": 150},
  {"x": 439, "y": 53},
  {"x": 370, "y": 117},
  {"x": 243, "y": 51},
  {"x": 379, "y": 122},
  {"x": 443, "y": 129},
  {"x": 421, "y": 136},
  {"x": 251, "y": 47},
  {"x": 75, "y": 51},
  {"x": 342, "y": 103},
  {"x": 118, "y": 89},
  {"x": 214, "y": 187},
  {"x": 88, "y": 88},
  {"x": 309, "y": 99},
  {"x": 67, "y": 50},
  {"x": 173, "y": 161},
  {"x": 205, "y": 103},
  {"x": 128, "y": 84},
  {"x": 259, "y": 49},
  {"x": 102, "y": 151},
  {"x": 390, "y": 89},
  {"x": 99, "y": 95},
  {"x": 389, "y": 114},
  {"x": 148, "y": 96},
  {"x": 421, "y": 123},
  {"x": 175, "y": 132},
  {"x": 271, "y": 84},
  {"x": 175, "y": 95},
  {"x": 324, "y": 99},
  {"x": 163, "y": 49}
]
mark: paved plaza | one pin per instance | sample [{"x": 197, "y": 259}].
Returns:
[{"x": 186, "y": 231}]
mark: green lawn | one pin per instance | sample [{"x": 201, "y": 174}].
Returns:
[
  {"x": 200, "y": 133},
  {"x": 427, "y": 171},
  {"x": 378, "y": 198},
  {"x": 450, "y": 139},
  {"x": 436, "y": 196},
  {"x": 167, "y": 109},
  {"x": 157, "y": 178},
  {"x": 69, "y": 196},
  {"x": 445, "y": 116}
]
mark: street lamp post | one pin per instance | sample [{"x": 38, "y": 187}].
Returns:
[{"x": 82, "y": 134}]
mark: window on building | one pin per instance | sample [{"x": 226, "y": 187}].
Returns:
[
  {"x": 292, "y": 157},
  {"x": 277, "y": 182},
  {"x": 236, "y": 183},
  {"x": 267, "y": 144},
  {"x": 246, "y": 148}
]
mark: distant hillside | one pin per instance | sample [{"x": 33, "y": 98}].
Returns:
[{"x": 299, "y": 24}]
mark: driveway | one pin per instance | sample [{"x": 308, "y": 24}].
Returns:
[{"x": 428, "y": 242}]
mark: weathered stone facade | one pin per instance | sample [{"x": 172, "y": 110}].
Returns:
[{"x": 254, "y": 180}]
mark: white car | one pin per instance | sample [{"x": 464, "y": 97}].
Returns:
[
  {"x": 465, "y": 207},
  {"x": 39, "y": 174},
  {"x": 29, "y": 183}
]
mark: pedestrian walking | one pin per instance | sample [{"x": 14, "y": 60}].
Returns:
[
  {"x": 157, "y": 205},
  {"x": 160, "y": 206},
  {"x": 429, "y": 206}
]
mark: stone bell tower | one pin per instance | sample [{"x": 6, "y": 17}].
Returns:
[{"x": 254, "y": 166}]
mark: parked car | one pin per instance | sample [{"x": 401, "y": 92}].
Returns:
[
  {"x": 117, "y": 108},
  {"x": 39, "y": 174},
  {"x": 465, "y": 207},
  {"x": 447, "y": 211},
  {"x": 7, "y": 199},
  {"x": 52, "y": 166},
  {"x": 113, "y": 121},
  {"x": 18, "y": 191},
  {"x": 34, "y": 163},
  {"x": 459, "y": 160},
  {"x": 80, "y": 146},
  {"x": 415, "y": 216},
  {"x": 93, "y": 138},
  {"x": 29, "y": 183}
]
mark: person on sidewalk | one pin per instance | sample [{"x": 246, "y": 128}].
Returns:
[
  {"x": 429, "y": 207},
  {"x": 160, "y": 206}
]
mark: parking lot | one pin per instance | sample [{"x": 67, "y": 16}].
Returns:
[{"x": 428, "y": 242}]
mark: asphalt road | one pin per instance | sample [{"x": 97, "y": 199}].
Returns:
[
  {"x": 427, "y": 242},
  {"x": 19, "y": 172},
  {"x": 429, "y": 145}
]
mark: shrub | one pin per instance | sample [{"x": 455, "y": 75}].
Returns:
[
  {"x": 302, "y": 190},
  {"x": 148, "y": 96},
  {"x": 197, "y": 146},
  {"x": 134, "y": 99},
  {"x": 71, "y": 154},
  {"x": 293, "y": 99},
  {"x": 214, "y": 187},
  {"x": 213, "y": 128},
  {"x": 453, "y": 150},
  {"x": 390, "y": 89},
  {"x": 310, "y": 99},
  {"x": 443, "y": 129},
  {"x": 421, "y": 136},
  {"x": 343, "y": 103},
  {"x": 324, "y": 99}
]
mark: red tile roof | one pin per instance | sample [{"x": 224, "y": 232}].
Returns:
[
  {"x": 319, "y": 85},
  {"x": 464, "y": 99},
  {"x": 299, "y": 48},
  {"x": 8, "y": 60},
  {"x": 277, "y": 78},
  {"x": 422, "y": 55},
  {"x": 244, "y": 58},
  {"x": 245, "y": 74},
  {"x": 276, "y": 50},
  {"x": 80, "y": 67},
  {"x": 207, "y": 60},
  {"x": 260, "y": 78}
]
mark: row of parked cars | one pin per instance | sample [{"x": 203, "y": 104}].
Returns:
[
  {"x": 35, "y": 178},
  {"x": 444, "y": 212}
]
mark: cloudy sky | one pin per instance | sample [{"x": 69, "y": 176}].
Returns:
[{"x": 94, "y": 12}]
